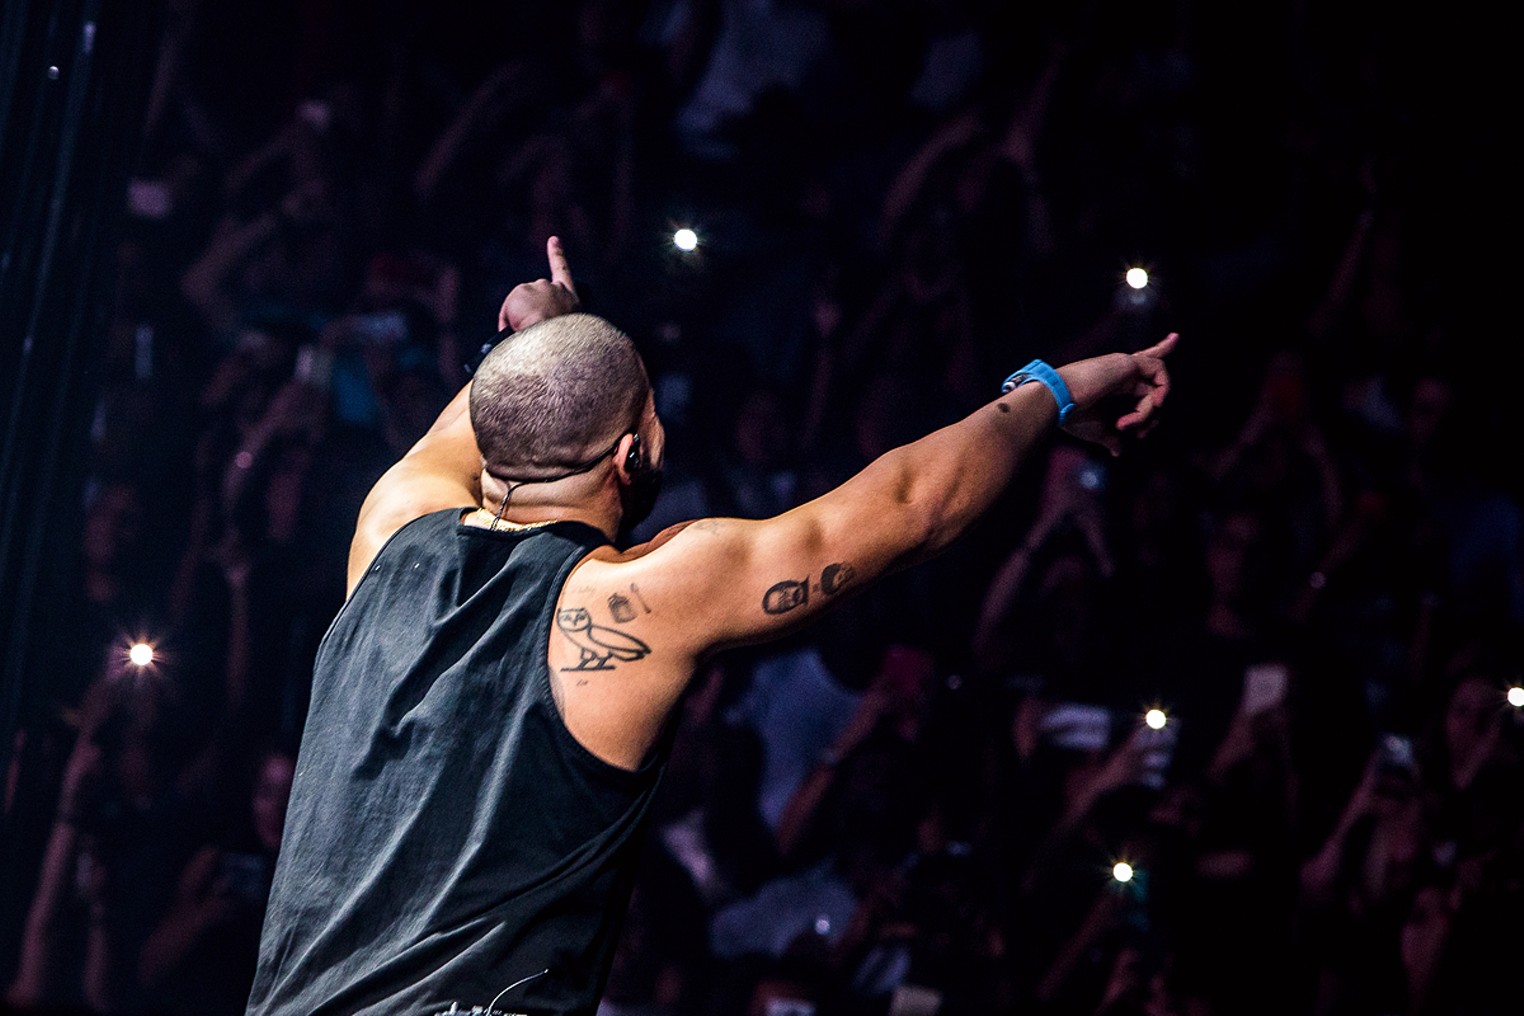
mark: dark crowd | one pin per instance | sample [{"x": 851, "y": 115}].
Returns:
[{"x": 1262, "y": 659}]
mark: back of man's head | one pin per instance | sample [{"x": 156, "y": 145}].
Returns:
[{"x": 550, "y": 397}]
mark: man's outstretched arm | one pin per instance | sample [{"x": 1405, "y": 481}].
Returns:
[
  {"x": 443, "y": 469},
  {"x": 716, "y": 583},
  {"x": 751, "y": 580}
]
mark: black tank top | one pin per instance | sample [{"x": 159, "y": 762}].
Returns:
[{"x": 447, "y": 835}]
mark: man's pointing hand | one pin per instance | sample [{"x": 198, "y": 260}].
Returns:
[{"x": 531, "y": 302}]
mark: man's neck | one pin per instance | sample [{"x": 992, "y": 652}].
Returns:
[
  {"x": 593, "y": 501},
  {"x": 490, "y": 516}
]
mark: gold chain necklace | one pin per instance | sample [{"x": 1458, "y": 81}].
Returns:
[{"x": 492, "y": 522}]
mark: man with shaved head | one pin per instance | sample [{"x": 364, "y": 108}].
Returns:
[
  {"x": 560, "y": 386},
  {"x": 489, "y": 707}
]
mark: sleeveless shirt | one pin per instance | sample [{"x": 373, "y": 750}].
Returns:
[{"x": 447, "y": 836}]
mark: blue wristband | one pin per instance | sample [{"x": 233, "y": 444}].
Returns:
[{"x": 1049, "y": 379}]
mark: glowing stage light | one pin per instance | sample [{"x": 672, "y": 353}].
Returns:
[
  {"x": 141, "y": 654},
  {"x": 685, "y": 240},
  {"x": 1137, "y": 278},
  {"x": 1122, "y": 871},
  {"x": 1516, "y": 696},
  {"x": 1155, "y": 719}
]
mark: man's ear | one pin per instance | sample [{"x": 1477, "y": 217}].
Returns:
[{"x": 630, "y": 456}]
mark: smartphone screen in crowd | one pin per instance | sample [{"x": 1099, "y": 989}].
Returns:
[
  {"x": 1397, "y": 753},
  {"x": 789, "y": 1007},
  {"x": 1158, "y": 747},
  {"x": 314, "y": 366},
  {"x": 1264, "y": 686},
  {"x": 382, "y": 327},
  {"x": 1077, "y": 725}
]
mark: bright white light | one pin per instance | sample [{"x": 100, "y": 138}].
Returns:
[
  {"x": 141, "y": 654},
  {"x": 1137, "y": 278},
  {"x": 1155, "y": 718},
  {"x": 685, "y": 239},
  {"x": 1516, "y": 696},
  {"x": 1121, "y": 871}
]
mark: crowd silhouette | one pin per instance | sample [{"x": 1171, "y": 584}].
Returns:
[{"x": 1313, "y": 571}]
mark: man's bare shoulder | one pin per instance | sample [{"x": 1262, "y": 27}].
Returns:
[
  {"x": 660, "y": 577},
  {"x": 403, "y": 494},
  {"x": 666, "y": 555},
  {"x": 709, "y": 527},
  {"x": 713, "y": 583},
  {"x": 672, "y": 549},
  {"x": 623, "y": 646}
]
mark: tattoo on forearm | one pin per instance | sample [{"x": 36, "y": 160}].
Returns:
[
  {"x": 599, "y": 647},
  {"x": 782, "y": 597}
]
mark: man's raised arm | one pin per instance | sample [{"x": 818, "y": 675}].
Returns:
[{"x": 443, "y": 469}]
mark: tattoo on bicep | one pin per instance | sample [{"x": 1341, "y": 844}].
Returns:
[
  {"x": 782, "y": 597},
  {"x": 705, "y": 525},
  {"x": 635, "y": 588},
  {"x": 835, "y": 577},
  {"x": 599, "y": 646}
]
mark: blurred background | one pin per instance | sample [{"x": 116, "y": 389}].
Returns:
[{"x": 1230, "y": 724}]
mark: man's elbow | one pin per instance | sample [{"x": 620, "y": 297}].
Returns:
[{"x": 920, "y": 518}]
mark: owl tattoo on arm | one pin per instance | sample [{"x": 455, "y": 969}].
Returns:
[{"x": 599, "y": 646}]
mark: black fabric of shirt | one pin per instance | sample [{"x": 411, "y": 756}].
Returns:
[{"x": 447, "y": 835}]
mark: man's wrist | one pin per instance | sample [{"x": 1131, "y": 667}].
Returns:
[{"x": 1045, "y": 375}]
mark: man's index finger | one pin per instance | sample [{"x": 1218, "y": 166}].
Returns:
[{"x": 560, "y": 271}]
